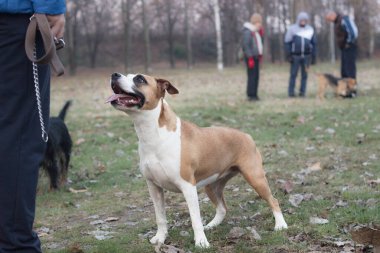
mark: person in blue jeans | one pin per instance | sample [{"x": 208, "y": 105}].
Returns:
[
  {"x": 300, "y": 48},
  {"x": 22, "y": 147}
]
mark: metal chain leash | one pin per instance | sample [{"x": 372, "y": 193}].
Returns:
[{"x": 38, "y": 97}]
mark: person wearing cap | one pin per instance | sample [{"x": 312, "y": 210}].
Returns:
[
  {"x": 300, "y": 48},
  {"x": 252, "y": 45},
  {"x": 22, "y": 148},
  {"x": 346, "y": 33}
]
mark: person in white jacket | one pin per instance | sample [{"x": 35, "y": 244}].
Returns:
[{"x": 300, "y": 47}]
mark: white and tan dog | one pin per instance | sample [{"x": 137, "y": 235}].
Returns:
[{"x": 179, "y": 156}]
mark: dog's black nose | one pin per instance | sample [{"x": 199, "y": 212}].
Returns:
[{"x": 115, "y": 76}]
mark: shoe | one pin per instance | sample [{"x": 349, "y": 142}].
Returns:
[
  {"x": 301, "y": 95},
  {"x": 291, "y": 95},
  {"x": 253, "y": 98}
]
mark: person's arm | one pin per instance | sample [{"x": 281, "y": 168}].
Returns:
[
  {"x": 288, "y": 44},
  {"x": 54, "y": 10},
  {"x": 247, "y": 44},
  {"x": 248, "y": 48},
  {"x": 351, "y": 29},
  {"x": 314, "y": 49}
]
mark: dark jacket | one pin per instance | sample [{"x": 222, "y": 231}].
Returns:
[
  {"x": 251, "y": 47},
  {"x": 346, "y": 31},
  {"x": 300, "y": 40}
]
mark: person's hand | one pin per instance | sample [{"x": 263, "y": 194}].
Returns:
[
  {"x": 313, "y": 60},
  {"x": 289, "y": 58},
  {"x": 251, "y": 63},
  {"x": 57, "y": 25}
]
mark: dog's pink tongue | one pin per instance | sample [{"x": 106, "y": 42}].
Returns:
[{"x": 115, "y": 97}]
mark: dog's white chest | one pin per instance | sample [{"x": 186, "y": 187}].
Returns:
[{"x": 160, "y": 159}]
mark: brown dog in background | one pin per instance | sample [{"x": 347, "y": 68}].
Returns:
[{"x": 343, "y": 87}]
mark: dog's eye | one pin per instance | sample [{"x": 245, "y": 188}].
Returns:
[{"x": 139, "y": 79}]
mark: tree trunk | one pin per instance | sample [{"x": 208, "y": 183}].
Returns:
[
  {"x": 170, "y": 33},
  {"x": 146, "y": 39},
  {"x": 265, "y": 7},
  {"x": 189, "y": 49},
  {"x": 218, "y": 30},
  {"x": 126, "y": 9},
  {"x": 332, "y": 36},
  {"x": 280, "y": 35},
  {"x": 71, "y": 31}
]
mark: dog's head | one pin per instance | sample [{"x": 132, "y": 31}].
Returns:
[
  {"x": 346, "y": 87},
  {"x": 138, "y": 92},
  {"x": 351, "y": 84}
]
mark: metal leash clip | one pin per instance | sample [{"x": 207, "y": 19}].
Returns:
[{"x": 59, "y": 43}]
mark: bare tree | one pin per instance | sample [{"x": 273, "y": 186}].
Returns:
[
  {"x": 332, "y": 35},
  {"x": 94, "y": 26},
  {"x": 189, "y": 48},
  {"x": 71, "y": 35},
  {"x": 127, "y": 5},
  {"x": 218, "y": 30},
  {"x": 146, "y": 38}
]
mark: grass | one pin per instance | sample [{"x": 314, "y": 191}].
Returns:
[{"x": 291, "y": 134}]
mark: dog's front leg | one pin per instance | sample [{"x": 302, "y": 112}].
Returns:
[
  {"x": 157, "y": 195},
  {"x": 191, "y": 196}
]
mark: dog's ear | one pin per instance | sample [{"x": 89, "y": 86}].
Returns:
[{"x": 165, "y": 85}]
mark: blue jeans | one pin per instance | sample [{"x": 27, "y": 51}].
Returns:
[
  {"x": 22, "y": 148},
  {"x": 303, "y": 62}
]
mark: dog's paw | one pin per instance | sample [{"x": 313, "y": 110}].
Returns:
[
  {"x": 280, "y": 226},
  {"x": 202, "y": 243},
  {"x": 159, "y": 238}
]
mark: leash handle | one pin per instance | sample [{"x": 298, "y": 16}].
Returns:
[{"x": 40, "y": 22}]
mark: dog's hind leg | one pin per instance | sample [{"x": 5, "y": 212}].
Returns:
[
  {"x": 65, "y": 167},
  {"x": 66, "y": 148},
  {"x": 253, "y": 172},
  {"x": 215, "y": 192},
  {"x": 53, "y": 172}
]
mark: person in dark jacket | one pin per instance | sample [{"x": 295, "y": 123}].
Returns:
[
  {"x": 300, "y": 47},
  {"x": 346, "y": 33},
  {"x": 252, "y": 45},
  {"x": 22, "y": 147}
]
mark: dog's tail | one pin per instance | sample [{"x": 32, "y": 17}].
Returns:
[{"x": 62, "y": 113}]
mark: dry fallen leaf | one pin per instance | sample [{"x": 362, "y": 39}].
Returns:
[
  {"x": 101, "y": 235},
  {"x": 235, "y": 233},
  {"x": 255, "y": 235},
  {"x": 373, "y": 182},
  {"x": 72, "y": 190},
  {"x": 301, "y": 119},
  {"x": 75, "y": 249},
  {"x": 110, "y": 219},
  {"x": 296, "y": 199},
  {"x": 163, "y": 248},
  {"x": 367, "y": 235},
  {"x": 315, "y": 167},
  {"x": 285, "y": 186},
  {"x": 317, "y": 220},
  {"x": 80, "y": 141}
]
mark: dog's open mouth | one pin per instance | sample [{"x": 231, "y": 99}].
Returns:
[{"x": 125, "y": 99}]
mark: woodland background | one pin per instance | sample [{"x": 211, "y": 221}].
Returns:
[{"x": 184, "y": 33}]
